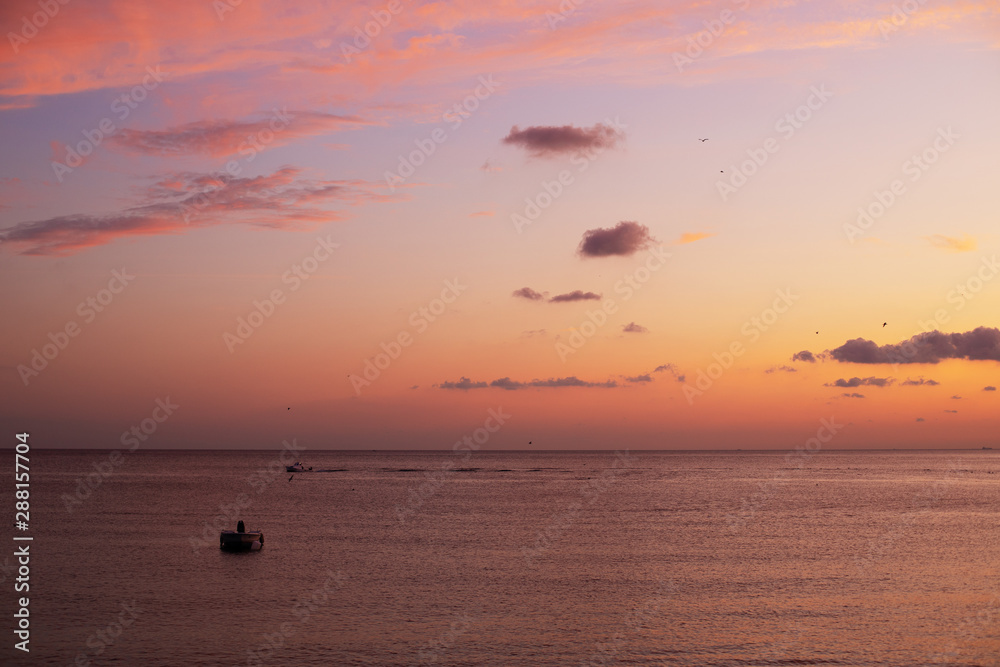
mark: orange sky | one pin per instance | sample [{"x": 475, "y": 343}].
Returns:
[{"x": 252, "y": 207}]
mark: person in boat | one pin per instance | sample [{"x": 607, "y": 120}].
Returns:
[{"x": 240, "y": 528}]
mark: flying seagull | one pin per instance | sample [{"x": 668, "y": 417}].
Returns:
[
  {"x": 703, "y": 140},
  {"x": 883, "y": 324}
]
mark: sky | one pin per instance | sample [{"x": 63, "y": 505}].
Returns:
[{"x": 501, "y": 225}]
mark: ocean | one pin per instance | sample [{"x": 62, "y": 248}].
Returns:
[{"x": 511, "y": 558}]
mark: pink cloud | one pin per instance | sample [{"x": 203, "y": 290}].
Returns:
[{"x": 175, "y": 204}]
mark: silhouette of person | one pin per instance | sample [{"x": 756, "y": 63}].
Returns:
[{"x": 240, "y": 528}]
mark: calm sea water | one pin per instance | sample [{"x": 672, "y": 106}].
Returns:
[{"x": 738, "y": 558}]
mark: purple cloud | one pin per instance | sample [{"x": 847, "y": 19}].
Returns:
[
  {"x": 625, "y": 238},
  {"x": 632, "y": 327},
  {"x": 528, "y": 293},
  {"x": 575, "y": 295},
  {"x": 463, "y": 383},
  {"x": 859, "y": 382},
  {"x": 804, "y": 355},
  {"x": 549, "y": 140},
  {"x": 919, "y": 381},
  {"x": 982, "y": 343}
]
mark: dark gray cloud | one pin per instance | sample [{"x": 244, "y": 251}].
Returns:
[
  {"x": 632, "y": 327},
  {"x": 804, "y": 355},
  {"x": 551, "y": 140},
  {"x": 646, "y": 377},
  {"x": 952, "y": 411},
  {"x": 575, "y": 295},
  {"x": 528, "y": 293},
  {"x": 957, "y": 397},
  {"x": 512, "y": 385},
  {"x": 920, "y": 419},
  {"x": 672, "y": 369},
  {"x": 463, "y": 383},
  {"x": 982, "y": 343},
  {"x": 989, "y": 388},
  {"x": 861, "y": 382},
  {"x": 855, "y": 395},
  {"x": 919, "y": 381},
  {"x": 625, "y": 238},
  {"x": 786, "y": 369}
]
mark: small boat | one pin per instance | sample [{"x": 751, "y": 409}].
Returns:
[
  {"x": 234, "y": 540},
  {"x": 298, "y": 467}
]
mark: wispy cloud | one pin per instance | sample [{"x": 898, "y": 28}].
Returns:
[
  {"x": 632, "y": 327},
  {"x": 919, "y": 381},
  {"x": 784, "y": 369},
  {"x": 220, "y": 138},
  {"x": 672, "y": 369},
  {"x": 804, "y": 355},
  {"x": 965, "y": 244},
  {"x": 175, "y": 204},
  {"x": 861, "y": 382},
  {"x": 506, "y": 383},
  {"x": 691, "y": 237}
]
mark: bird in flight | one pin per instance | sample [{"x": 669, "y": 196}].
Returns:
[
  {"x": 883, "y": 324},
  {"x": 703, "y": 140}
]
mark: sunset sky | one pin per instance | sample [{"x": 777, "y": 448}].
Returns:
[{"x": 393, "y": 217}]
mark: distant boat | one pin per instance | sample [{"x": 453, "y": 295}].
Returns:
[
  {"x": 231, "y": 540},
  {"x": 298, "y": 467}
]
